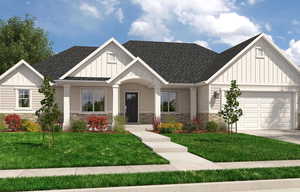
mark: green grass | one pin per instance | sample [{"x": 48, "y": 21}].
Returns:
[
  {"x": 115, "y": 180},
  {"x": 220, "y": 147},
  {"x": 24, "y": 150}
]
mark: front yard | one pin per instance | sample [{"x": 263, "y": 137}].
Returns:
[
  {"x": 24, "y": 150},
  {"x": 221, "y": 147}
]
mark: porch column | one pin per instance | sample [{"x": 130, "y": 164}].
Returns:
[
  {"x": 115, "y": 110},
  {"x": 157, "y": 102},
  {"x": 193, "y": 102},
  {"x": 66, "y": 123}
]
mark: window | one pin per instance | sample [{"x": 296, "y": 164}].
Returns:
[
  {"x": 259, "y": 52},
  {"x": 168, "y": 101},
  {"x": 23, "y": 98},
  {"x": 92, "y": 100},
  {"x": 111, "y": 57}
]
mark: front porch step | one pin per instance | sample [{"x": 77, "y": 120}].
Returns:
[
  {"x": 161, "y": 147},
  {"x": 138, "y": 127},
  {"x": 147, "y": 136}
]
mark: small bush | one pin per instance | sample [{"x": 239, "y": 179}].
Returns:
[
  {"x": 78, "y": 125},
  {"x": 119, "y": 124},
  {"x": 167, "y": 130},
  {"x": 97, "y": 123},
  {"x": 212, "y": 126},
  {"x": 13, "y": 121},
  {"x": 30, "y": 126},
  {"x": 190, "y": 127},
  {"x": 57, "y": 128},
  {"x": 170, "y": 119},
  {"x": 197, "y": 122},
  {"x": 2, "y": 123}
]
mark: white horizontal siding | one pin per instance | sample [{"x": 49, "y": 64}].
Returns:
[
  {"x": 98, "y": 66},
  {"x": 273, "y": 69}
]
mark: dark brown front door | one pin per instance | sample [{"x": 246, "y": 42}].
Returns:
[{"x": 131, "y": 102}]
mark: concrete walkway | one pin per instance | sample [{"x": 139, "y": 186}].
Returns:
[
  {"x": 278, "y": 185},
  {"x": 176, "y": 154},
  {"x": 292, "y": 136}
]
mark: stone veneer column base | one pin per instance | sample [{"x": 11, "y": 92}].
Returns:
[{"x": 205, "y": 117}]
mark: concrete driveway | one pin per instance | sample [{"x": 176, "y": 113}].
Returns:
[{"x": 292, "y": 136}]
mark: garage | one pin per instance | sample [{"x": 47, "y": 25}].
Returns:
[{"x": 266, "y": 110}]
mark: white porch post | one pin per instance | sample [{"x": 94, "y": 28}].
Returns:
[
  {"x": 116, "y": 93},
  {"x": 193, "y": 102},
  {"x": 157, "y": 102},
  {"x": 66, "y": 123}
]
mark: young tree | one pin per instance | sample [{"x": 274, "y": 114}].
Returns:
[
  {"x": 231, "y": 111},
  {"x": 48, "y": 114},
  {"x": 21, "y": 39}
]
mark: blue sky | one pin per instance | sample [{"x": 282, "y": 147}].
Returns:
[{"x": 217, "y": 24}]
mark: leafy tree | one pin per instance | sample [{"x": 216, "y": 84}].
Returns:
[
  {"x": 48, "y": 114},
  {"x": 231, "y": 111},
  {"x": 21, "y": 39}
]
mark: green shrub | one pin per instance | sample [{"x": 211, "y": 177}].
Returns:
[
  {"x": 30, "y": 126},
  {"x": 2, "y": 123},
  {"x": 190, "y": 127},
  {"x": 167, "y": 130},
  {"x": 57, "y": 128},
  {"x": 212, "y": 126},
  {"x": 119, "y": 124},
  {"x": 78, "y": 125}
]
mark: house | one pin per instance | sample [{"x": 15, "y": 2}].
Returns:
[{"x": 143, "y": 80}]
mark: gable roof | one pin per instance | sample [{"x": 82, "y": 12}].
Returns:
[{"x": 174, "y": 62}]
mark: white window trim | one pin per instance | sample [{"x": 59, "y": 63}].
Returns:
[
  {"x": 18, "y": 108},
  {"x": 170, "y": 112},
  {"x": 93, "y": 112},
  {"x": 108, "y": 55},
  {"x": 262, "y": 51}
]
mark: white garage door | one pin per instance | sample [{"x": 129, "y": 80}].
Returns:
[{"x": 266, "y": 110}]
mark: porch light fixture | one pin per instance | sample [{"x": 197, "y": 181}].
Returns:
[{"x": 216, "y": 94}]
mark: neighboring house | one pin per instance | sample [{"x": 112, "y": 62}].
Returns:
[{"x": 144, "y": 80}]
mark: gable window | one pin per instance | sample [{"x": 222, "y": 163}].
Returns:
[
  {"x": 168, "y": 101},
  {"x": 92, "y": 100},
  {"x": 23, "y": 98},
  {"x": 111, "y": 57},
  {"x": 259, "y": 52}
]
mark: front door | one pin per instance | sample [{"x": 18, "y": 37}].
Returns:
[{"x": 131, "y": 102}]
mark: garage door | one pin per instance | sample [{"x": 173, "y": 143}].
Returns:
[{"x": 266, "y": 110}]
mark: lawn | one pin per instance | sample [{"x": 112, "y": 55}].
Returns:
[
  {"x": 221, "y": 147},
  {"x": 24, "y": 150},
  {"x": 138, "y": 179}
]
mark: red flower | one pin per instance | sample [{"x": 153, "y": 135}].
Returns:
[{"x": 97, "y": 122}]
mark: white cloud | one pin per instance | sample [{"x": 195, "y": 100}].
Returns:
[
  {"x": 295, "y": 22},
  {"x": 294, "y": 51},
  {"x": 202, "y": 43},
  {"x": 120, "y": 15},
  {"x": 252, "y": 2},
  {"x": 89, "y": 10},
  {"x": 217, "y": 19},
  {"x": 268, "y": 27}
]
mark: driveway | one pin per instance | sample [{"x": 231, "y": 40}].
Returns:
[{"x": 292, "y": 136}]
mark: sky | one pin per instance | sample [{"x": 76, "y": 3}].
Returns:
[{"x": 215, "y": 24}]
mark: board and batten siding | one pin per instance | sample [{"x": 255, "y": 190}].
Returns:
[
  {"x": 21, "y": 77},
  {"x": 97, "y": 66},
  {"x": 272, "y": 69}
]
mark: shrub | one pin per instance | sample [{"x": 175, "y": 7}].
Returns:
[
  {"x": 57, "y": 127},
  {"x": 2, "y": 124},
  {"x": 170, "y": 127},
  {"x": 119, "y": 124},
  {"x": 212, "y": 126},
  {"x": 78, "y": 125},
  {"x": 97, "y": 123},
  {"x": 197, "y": 122},
  {"x": 167, "y": 130},
  {"x": 190, "y": 127},
  {"x": 156, "y": 123},
  {"x": 13, "y": 121},
  {"x": 30, "y": 126}
]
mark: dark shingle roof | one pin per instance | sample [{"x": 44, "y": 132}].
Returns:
[{"x": 175, "y": 62}]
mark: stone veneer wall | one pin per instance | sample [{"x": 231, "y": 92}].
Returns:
[
  {"x": 146, "y": 118},
  {"x": 180, "y": 117},
  {"x": 79, "y": 116},
  {"x": 30, "y": 116}
]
